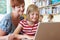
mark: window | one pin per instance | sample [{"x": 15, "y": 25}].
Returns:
[{"x": 3, "y": 7}]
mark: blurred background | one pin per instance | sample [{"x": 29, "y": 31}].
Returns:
[{"x": 46, "y": 7}]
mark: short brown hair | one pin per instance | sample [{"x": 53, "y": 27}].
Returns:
[
  {"x": 32, "y": 8},
  {"x": 41, "y": 16},
  {"x": 51, "y": 16},
  {"x": 16, "y": 2}
]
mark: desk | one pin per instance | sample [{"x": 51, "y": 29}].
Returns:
[{"x": 25, "y": 37}]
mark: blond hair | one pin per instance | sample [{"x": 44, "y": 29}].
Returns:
[{"x": 32, "y": 8}]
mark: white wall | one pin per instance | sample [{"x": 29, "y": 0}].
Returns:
[
  {"x": 27, "y": 3},
  {"x": 57, "y": 18}
]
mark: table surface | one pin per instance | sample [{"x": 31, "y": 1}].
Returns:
[{"x": 25, "y": 37}]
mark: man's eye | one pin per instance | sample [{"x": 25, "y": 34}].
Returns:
[
  {"x": 18, "y": 6},
  {"x": 22, "y": 6}
]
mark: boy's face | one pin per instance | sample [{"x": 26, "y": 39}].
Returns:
[
  {"x": 34, "y": 16},
  {"x": 40, "y": 18},
  {"x": 18, "y": 10}
]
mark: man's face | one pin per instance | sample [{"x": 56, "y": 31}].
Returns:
[{"x": 18, "y": 10}]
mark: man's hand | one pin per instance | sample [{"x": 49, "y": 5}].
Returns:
[
  {"x": 24, "y": 37},
  {"x": 12, "y": 37}
]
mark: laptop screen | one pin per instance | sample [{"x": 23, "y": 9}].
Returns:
[{"x": 48, "y": 31}]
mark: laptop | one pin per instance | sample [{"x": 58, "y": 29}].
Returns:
[{"x": 48, "y": 31}]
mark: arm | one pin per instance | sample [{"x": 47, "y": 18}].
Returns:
[
  {"x": 3, "y": 27},
  {"x": 2, "y": 33},
  {"x": 8, "y": 37},
  {"x": 3, "y": 38},
  {"x": 18, "y": 29}
]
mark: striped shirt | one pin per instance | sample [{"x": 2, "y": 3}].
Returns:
[{"x": 27, "y": 29}]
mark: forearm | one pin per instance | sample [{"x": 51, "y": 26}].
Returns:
[
  {"x": 3, "y": 38},
  {"x": 17, "y": 30},
  {"x": 24, "y": 36}
]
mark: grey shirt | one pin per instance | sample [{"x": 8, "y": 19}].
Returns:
[{"x": 6, "y": 24}]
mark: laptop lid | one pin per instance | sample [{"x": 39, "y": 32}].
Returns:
[{"x": 48, "y": 31}]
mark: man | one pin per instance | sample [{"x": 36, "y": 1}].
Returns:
[{"x": 10, "y": 21}]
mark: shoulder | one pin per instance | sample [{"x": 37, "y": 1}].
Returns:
[
  {"x": 5, "y": 20},
  {"x": 23, "y": 22},
  {"x": 5, "y": 23},
  {"x": 7, "y": 16}
]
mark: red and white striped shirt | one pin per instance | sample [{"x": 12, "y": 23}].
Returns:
[{"x": 27, "y": 29}]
